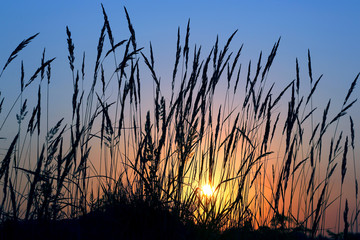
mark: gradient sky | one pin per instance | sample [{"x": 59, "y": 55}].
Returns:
[{"x": 330, "y": 29}]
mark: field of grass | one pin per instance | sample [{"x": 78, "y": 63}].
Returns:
[{"x": 126, "y": 166}]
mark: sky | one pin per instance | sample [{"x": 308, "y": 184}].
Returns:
[{"x": 330, "y": 29}]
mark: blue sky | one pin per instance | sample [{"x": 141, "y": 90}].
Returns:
[{"x": 330, "y": 29}]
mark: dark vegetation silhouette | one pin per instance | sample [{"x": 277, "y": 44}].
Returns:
[{"x": 144, "y": 179}]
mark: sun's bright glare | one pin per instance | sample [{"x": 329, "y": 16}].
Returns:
[{"x": 207, "y": 190}]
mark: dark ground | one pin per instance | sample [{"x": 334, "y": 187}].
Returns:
[{"x": 134, "y": 222}]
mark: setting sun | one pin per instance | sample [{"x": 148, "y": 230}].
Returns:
[{"x": 207, "y": 190}]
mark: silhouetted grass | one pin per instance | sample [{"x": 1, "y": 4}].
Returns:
[{"x": 152, "y": 156}]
